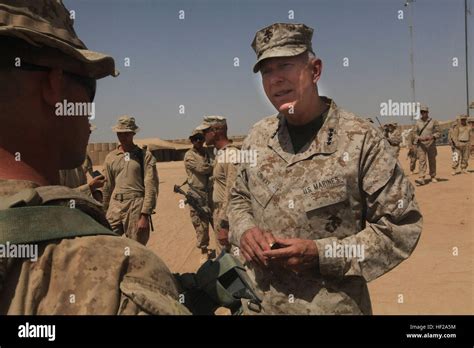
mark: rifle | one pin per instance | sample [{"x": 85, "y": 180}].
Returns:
[
  {"x": 193, "y": 202},
  {"x": 380, "y": 124}
]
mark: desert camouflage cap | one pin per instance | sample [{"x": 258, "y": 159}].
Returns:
[
  {"x": 126, "y": 124},
  {"x": 424, "y": 108},
  {"x": 47, "y": 23},
  {"x": 463, "y": 117},
  {"x": 195, "y": 132},
  {"x": 212, "y": 121},
  {"x": 281, "y": 40}
]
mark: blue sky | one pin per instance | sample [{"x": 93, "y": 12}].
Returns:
[{"x": 190, "y": 62}]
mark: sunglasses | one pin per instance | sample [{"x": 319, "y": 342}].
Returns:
[
  {"x": 89, "y": 83},
  {"x": 197, "y": 138}
]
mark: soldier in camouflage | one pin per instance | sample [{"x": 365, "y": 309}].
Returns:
[
  {"x": 327, "y": 208},
  {"x": 81, "y": 266},
  {"x": 197, "y": 163},
  {"x": 426, "y": 131},
  {"x": 131, "y": 186},
  {"x": 223, "y": 175},
  {"x": 461, "y": 142}
]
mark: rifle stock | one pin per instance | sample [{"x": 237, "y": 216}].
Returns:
[{"x": 193, "y": 202}]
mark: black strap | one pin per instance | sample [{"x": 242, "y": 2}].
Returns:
[
  {"x": 142, "y": 164},
  {"x": 422, "y": 129}
]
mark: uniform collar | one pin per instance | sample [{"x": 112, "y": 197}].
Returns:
[
  {"x": 120, "y": 150},
  {"x": 324, "y": 143}
]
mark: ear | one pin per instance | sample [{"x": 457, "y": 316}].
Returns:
[
  {"x": 317, "y": 67},
  {"x": 52, "y": 87}
]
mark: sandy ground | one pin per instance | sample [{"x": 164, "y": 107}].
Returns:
[{"x": 432, "y": 281}]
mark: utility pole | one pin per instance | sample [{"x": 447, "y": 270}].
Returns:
[
  {"x": 409, "y": 5},
  {"x": 467, "y": 57}
]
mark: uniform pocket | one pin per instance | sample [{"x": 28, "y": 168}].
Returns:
[{"x": 327, "y": 210}]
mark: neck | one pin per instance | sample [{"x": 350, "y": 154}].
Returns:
[
  {"x": 127, "y": 147},
  {"x": 199, "y": 149},
  {"x": 22, "y": 164},
  {"x": 220, "y": 143},
  {"x": 316, "y": 109}
]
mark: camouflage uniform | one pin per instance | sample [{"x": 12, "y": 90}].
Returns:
[
  {"x": 461, "y": 140},
  {"x": 344, "y": 188},
  {"x": 198, "y": 169},
  {"x": 128, "y": 194},
  {"x": 224, "y": 175},
  {"x": 101, "y": 274},
  {"x": 85, "y": 275},
  {"x": 426, "y": 148}
]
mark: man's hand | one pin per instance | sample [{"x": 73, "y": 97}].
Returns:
[
  {"x": 143, "y": 224},
  {"x": 253, "y": 243},
  {"x": 296, "y": 254},
  {"x": 427, "y": 138},
  {"x": 223, "y": 236},
  {"x": 97, "y": 182}
]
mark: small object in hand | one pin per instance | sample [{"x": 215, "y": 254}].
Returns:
[
  {"x": 275, "y": 246},
  {"x": 96, "y": 173}
]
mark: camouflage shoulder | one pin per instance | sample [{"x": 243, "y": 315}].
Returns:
[
  {"x": 262, "y": 130},
  {"x": 188, "y": 154},
  {"x": 350, "y": 122},
  {"x": 143, "y": 277}
]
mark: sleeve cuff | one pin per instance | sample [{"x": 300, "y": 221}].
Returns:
[
  {"x": 236, "y": 232},
  {"x": 330, "y": 264}
]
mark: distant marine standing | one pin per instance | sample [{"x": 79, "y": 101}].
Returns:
[
  {"x": 461, "y": 137},
  {"x": 412, "y": 151},
  {"x": 223, "y": 175},
  {"x": 131, "y": 188},
  {"x": 426, "y": 131},
  {"x": 198, "y": 166}
]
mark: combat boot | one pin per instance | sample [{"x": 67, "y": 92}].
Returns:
[{"x": 420, "y": 181}]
